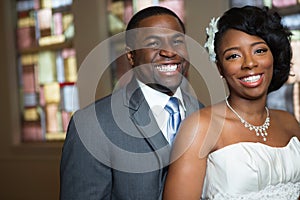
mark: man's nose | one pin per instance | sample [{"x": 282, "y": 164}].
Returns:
[{"x": 167, "y": 51}]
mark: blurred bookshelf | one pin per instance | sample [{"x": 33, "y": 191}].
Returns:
[
  {"x": 47, "y": 68},
  {"x": 288, "y": 96}
]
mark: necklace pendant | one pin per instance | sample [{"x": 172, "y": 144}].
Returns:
[{"x": 259, "y": 130}]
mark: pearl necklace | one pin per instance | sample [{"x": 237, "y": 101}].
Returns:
[{"x": 259, "y": 130}]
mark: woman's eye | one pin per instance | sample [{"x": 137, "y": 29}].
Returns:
[
  {"x": 233, "y": 56},
  {"x": 261, "y": 50}
]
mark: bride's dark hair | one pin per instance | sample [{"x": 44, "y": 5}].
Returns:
[{"x": 267, "y": 25}]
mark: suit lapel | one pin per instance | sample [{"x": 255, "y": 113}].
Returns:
[
  {"x": 146, "y": 123},
  {"x": 144, "y": 120}
]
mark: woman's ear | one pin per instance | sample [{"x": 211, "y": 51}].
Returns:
[
  {"x": 220, "y": 69},
  {"x": 129, "y": 54}
]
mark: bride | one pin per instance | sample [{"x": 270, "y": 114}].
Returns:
[{"x": 238, "y": 148}]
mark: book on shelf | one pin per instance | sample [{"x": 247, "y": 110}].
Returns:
[
  {"x": 53, "y": 118},
  {"x": 29, "y": 79},
  {"x": 52, "y": 93},
  {"x": 42, "y": 100},
  {"x": 55, "y": 136},
  {"x": 283, "y": 3},
  {"x": 60, "y": 71},
  {"x": 70, "y": 67},
  {"x": 33, "y": 128},
  {"x": 29, "y": 59},
  {"x": 67, "y": 20},
  {"x": 291, "y": 21},
  {"x": 46, "y": 3},
  {"x": 27, "y": 5},
  {"x": 26, "y": 37},
  {"x": 31, "y": 114},
  {"x": 70, "y": 101},
  {"x": 47, "y": 67},
  {"x": 51, "y": 40},
  {"x": 57, "y": 25},
  {"x": 30, "y": 99},
  {"x": 27, "y": 21},
  {"x": 32, "y": 131},
  {"x": 296, "y": 34},
  {"x": 44, "y": 18},
  {"x": 66, "y": 116},
  {"x": 70, "y": 64},
  {"x": 70, "y": 32}
]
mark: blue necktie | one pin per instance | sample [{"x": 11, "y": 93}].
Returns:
[{"x": 174, "y": 120}]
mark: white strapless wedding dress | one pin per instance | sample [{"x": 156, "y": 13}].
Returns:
[{"x": 253, "y": 171}]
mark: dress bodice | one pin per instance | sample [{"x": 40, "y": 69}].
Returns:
[{"x": 250, "y": 170}]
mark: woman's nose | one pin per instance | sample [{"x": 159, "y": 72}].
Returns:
[{"x": 249, "y": 62}]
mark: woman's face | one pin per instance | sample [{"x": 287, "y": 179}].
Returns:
[{"x": 246, "y": 62}]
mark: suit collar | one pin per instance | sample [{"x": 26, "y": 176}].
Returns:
[
  {"x": 147, "y": 126},
  {"x": 142, "y": 116},
  {"x": 144, "y": 120},
  {"x": 133, "y": 95}
]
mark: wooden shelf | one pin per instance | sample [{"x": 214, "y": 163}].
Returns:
[
  {"x": 63, "y": 9},
  {"x": 66, "y": 44},
  {"x": 283, "y": 11}
]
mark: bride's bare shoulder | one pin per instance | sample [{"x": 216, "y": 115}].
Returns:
[
  {"x": 205, "y": 121},
  {"x": 287, "y": 121},
  {"x": 204, "y": 114}
]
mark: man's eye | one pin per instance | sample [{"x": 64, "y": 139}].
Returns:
[
  {"x": 153, "y": 44},
  {"x": 176, "y": 42}
]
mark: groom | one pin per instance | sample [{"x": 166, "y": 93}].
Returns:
[{"x": 118, "y": 147}]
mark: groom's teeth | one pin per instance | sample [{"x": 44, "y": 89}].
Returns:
[
  {"x": 167, "y": 68},
  {"x": 251, "y": 79}
]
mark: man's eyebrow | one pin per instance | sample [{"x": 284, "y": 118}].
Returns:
[
  {"x": 158, "y": 37},
  {"x": 178, "y": 35},
  {"x": 151, "y": 37}
]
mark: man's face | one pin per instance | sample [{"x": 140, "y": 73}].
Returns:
[{"x": 159, "y": 55}]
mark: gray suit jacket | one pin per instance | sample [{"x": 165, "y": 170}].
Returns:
[{"x": 114, "y": 149}]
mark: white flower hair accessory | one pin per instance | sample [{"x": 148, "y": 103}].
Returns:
[{"x": 211, "y": 31}]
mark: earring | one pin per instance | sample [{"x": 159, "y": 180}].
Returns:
[{"x": 221, "y": 77}]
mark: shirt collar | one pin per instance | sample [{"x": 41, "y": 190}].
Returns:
[{"x": 158, "y": 100}]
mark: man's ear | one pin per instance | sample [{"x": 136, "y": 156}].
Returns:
[{"x": 129, "y": 54}]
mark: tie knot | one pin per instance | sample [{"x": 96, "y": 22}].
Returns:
[{"x": 172, "y": 105}]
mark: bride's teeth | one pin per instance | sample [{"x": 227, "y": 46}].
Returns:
[
  {"x": 167, "y": 68},
  {"x": 251, "y": 78}
]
